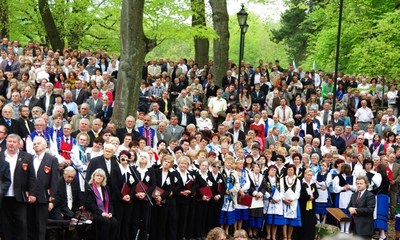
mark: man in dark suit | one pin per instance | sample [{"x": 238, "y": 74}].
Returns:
[
  {"x": 26, "y": 125},
  {"x": 299, "y": 112},
  {"x": 11, "y": 64},
  {"x": 96, "y": 131},
  {"x": 30, "y": 100},
  {"x": 48, "y": 97},
  {"x": 95, "y": 103},
  {"x": 315, "y": 148},
  {"x": 238, "y": 135},
  {"x": 79, "y": 95},
  {"x": 336, "y": 121},
  {"x": 3, "y": 136},
  {"x": 322, "y": 135},
  {"x": 338, "y": 141},
  {"x": 107, "y": 162},
  {"x": 258, "y": 96},
  {"x": 228, "y": 79},
  {"x": 361, "y": 207},
  {"x": 46, "y": 170},
  {"x": 354, "y": 101},
  {"x": 185, "y": 117},
  {"x": 69, "y": 197},
  {"x": 129, "y": 128},
  {"x": 23, "y": 190},
  {"x": 12, "y": 125}
]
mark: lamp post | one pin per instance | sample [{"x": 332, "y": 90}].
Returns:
[{"x": 242, "y": 18}]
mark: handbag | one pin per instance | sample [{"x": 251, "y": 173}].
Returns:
[{"x": 85, "y": 215}]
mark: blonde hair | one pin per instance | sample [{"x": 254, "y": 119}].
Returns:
[{"x": 100, "y": 172}]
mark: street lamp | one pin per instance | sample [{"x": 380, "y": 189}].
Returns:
[{"x": 242, "y": 19}]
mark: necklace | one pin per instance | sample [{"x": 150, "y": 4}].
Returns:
[{"x": 288, "y": 181}]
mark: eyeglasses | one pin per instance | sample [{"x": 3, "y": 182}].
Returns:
[{"x": 214, "y": 166}]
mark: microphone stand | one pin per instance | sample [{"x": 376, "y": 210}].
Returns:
[
  {"x": 89, "y": 187},
  {"x": 141, "y": 185}
]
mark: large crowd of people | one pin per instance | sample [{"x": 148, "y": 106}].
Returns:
[{"x": 267, "y": 150}]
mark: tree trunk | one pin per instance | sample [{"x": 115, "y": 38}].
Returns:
[
  {"x": 50, "y": 26},
  {"x": 134, "y": 47},
  {"x": 4, "y": 25},
  {"x": 221, "y": 45},
  {"x": 201, "y": 45}
]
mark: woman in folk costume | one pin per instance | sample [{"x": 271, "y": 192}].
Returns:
[
  {"x": 227, "y": 217},
  {"x": 308, "y": 195},
  {"x": 323, "y": 180},
  {"x": 79, "y": 159},
  {"x": 380, "y": 187},
  {"x": 242, "y": 211},
  {"x": 257, "y": 189},
  {"x": 291, "y": 193},
  {"x": 344, "y": 191},
  {"x": 273, "y": 206}
]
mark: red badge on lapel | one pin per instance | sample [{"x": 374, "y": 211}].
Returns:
[
  {"x": 25, "y": 166},
  {"x": 47, "y": 169}
]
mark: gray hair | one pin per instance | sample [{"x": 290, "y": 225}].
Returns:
[
  {"x": 69, "y": 169},
  {"x": 109, "y": 146},
  {"x": 101, "y": 172}
]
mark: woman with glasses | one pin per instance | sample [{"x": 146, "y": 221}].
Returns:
[
  {"x": 123, "y": 184},
  {"x": 79, "y": 158},
  {"x": 291, "y": 187},
  {"x": 308, "y": 195},
  {"x": 141, "y": 205},
  {"x": 280, "y": 167},
  {"x": 159, "y": 212},
  {"x": 218, "y": 188},
  {"x": 242, "y": 211}
]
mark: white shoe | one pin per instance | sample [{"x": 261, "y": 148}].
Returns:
[{"x": 87, "y": 222}]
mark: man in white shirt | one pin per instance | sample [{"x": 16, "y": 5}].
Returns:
[
  {"x": 364, "y": 116},
  {"x": 217, "y": 107}
]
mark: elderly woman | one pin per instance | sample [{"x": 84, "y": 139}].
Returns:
[
  {"x": 123, "y": 184},
  {"x": 141, "y": 205},
  {"x": 79, "y": 158},
  {"x": 188, "y": 188},
  {"x": 159, "y": 212},
  {"x": 230, "y": 200},
  {"x": 98, "y": 202}
]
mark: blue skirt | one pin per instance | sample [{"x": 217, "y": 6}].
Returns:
[
  {"x": 242, "y": 214},
  {"x": 397, "y": 225},
  {"x": 321, "y": 207},
  {"x": 347, "y": 213},
  {"x": 382, "y": 212},
  {"x": 274, "y": 219},
  {"x": 256, "y": 222},
  {"x": 296, "y": 222},
  {"x": 337, "y": 200},
  {"x": 227, "y": 218}
]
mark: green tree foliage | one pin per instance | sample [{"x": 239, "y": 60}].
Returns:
[
  {"x": 294, "y": 29},
  {"x": 368, "y": 39}
]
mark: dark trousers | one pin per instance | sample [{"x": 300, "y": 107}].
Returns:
[
  {"x": 140, "y": 219},
  {"x": 158, "y": 222},
  {"x": 14, "y": 219},
  {"x": 182, "y": 211},
  {"x": 190, "y": 218},
  {"x": 201, "y": 217},
  {"x": 38, "y": 214},
  {"x": 214, "y": 212},
  {"x": 123, "y": 213},
  {"x": 170, "y": 232},
  {"x": 107, "y": 227}
]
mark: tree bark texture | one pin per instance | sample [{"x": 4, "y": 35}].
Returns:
[
  {"x": 201, "y": 45},
  {"x": 134, "y": 47},
  {"x": 4, "y": 24},
  {"x": 221, "y": 45},
  {"x": 50, "y": 26}
]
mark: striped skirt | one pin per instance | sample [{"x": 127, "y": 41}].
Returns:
[
  {"x": 241, "y": 214},
  {"x": 321, "y": 207},
  {"x": 274, "y": 219},
  {"x": 227, "y": 217},
  {"x": 256, "y": 222},
  {"x": 296, "y": 222},
  {"x": 382, "y": 212}
]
